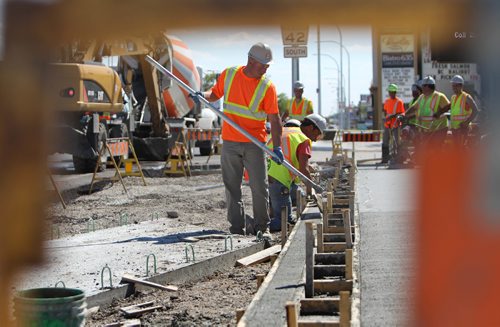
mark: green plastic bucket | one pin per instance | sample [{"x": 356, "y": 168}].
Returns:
[{"x": 50, "y": 307}]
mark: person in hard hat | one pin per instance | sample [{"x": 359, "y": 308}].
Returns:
[
  {"x": 463, "y": 111},
  {"x": 430, "y": 124},
  {"x": 296, "y": 142},
  {"x": 292, "y": 123},
  {"x": 393, "y": 106},
  {"x": 408, "y": 132},
  {"x": 249, "y": 99},
  {"x": 299, "y": 107}
]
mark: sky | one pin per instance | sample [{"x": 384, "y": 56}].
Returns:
[{"x": 217, "y": 49}]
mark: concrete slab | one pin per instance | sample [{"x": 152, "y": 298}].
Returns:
[{"x": 78, "y": 261}]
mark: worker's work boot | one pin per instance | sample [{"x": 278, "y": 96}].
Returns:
[{"x": 249, "y": 225}]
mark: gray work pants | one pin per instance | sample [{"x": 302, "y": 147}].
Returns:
[{"x": 234, "y": 157}]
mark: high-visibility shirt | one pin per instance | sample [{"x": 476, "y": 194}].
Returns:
[
  {"x": 247, "y": 102},
  {"x": 392, "y": 107},
  {"x": 291, "y": 138},
  {"x": 299, "y": 110},
  {"x": 427, "y": 107},
  {"x": 460, "y": 110},
  {"x": 413, "y": 120}
]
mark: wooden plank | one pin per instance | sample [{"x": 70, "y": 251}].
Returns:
[
  {"x": 348, "y": 264},
  {"x": 319, "y": 234},
  {"x": 322, "y": 271},
  {"x": 190, "y": 239},
  {"x": 336, "y": 222},
  {"x": 347, "y": 226},
  {"x": 239, "y": 314},
  {"x": 125, "y": 323},
  {"x": 309, "y": 289},
  {"x": 320, "y": 306},
  {"x": 138, "y": 311},
  {"x": 291, "y": 314},
  {"x": 322, "y": 286},
  {"x": 132, "y": 279},
  {"x": 259, "y": 257},
  {"x": 318, "y": 321},
  {"x": 334, "y": 247},
  {"x": 345, "y": 309},
  {"x": 211, "y": 237}
]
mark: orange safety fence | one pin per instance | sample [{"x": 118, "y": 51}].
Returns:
[
  {"x": 118, "y": 146},
  {"x": 361, "y": 136},
  {"x": 197, "y": 134}
]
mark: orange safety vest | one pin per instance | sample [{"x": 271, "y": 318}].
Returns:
[
  {"x": 298, "y": 111},
  {"x": 393, "y": 122},
  {"x": 460, "y": 111},
  {"x": 244, "y": 111}
]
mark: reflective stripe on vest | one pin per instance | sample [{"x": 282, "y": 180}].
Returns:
[
  {"x": 425, "y": 113},
  {"x": 291, "y": 138},
  {"x": 413, "y": 119},
  {"x": 298, "y": 111},
  {"x": 459, "y": 112},
  {"x": 250, "y": 111}
]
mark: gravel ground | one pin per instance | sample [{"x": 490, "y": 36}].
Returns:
[
  {"x": 189, "y": 199},
  {"x": 212, "y": 301},
  {"x": 200, "y": 201}
]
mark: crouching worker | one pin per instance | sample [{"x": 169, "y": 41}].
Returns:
[{"x": 296, "y": 144}]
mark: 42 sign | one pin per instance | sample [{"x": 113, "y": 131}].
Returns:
[{"x": 294, "y": 35}]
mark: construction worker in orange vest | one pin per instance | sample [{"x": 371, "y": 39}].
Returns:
[
  {"x": 463, "y": 111},
  {"x": 249, "y": 99},
  {"x": 296, "y": 143},
  {"x": 393, "y": 106},
  {"x": 299, "y": 107}
]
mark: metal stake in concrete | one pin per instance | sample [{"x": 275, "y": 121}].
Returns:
[
  {"x": 123, "y": 218},
  {"x": 230, "y": 238},
  {"x": 90, "y": 222},
  {"x": 106, "y": 267},
  {"x": 260, "y": 279},
  {"x": 309, "y": 260},
  {"x": 60, "y": 282},
  {"x": 147, "y": 263},
  {"x": 186, "y": 251}
]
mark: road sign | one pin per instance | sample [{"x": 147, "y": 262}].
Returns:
[
  {"x": 295, "y": 52},
  {"x": 294, "y": 35}
]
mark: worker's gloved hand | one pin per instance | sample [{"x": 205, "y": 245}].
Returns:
[
  {"x": 279, "y": 155},
  {"x": 196, "y": 97}
]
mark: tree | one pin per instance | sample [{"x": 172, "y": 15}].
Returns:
[
  {"x": 209, "y": 80},
  {"x": 283, "y": 101}
]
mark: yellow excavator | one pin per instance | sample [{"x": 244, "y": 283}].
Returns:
[{"x": 104, "y": 89}]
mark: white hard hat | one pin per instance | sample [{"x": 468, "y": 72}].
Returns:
[
  {"x": 428, "y": 80},
  {"x": 457, "y": 79},
  {"x": 261, "y": 52},
  {"x": 319, "y": 121},
  {"x": 298, "y": 85},
  {"x": 292, "y": 123}
]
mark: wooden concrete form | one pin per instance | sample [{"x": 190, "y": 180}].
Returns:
[
  {"x": 284, "y": 283},
  {"x": 189, "y": 273},
  {"x": 347, "y": 228},
  {"x": 345, "y": 309},
  {"x": 319, "y": 234},
  {"x": 309, "y": 259},
  {"x": 292, "y": 315},
  {"x": 330, "y": 258},
  {"x": 259, "y": 257},
  {"x": 348, "y": 264},
  {"x": 334, "y": 247},
  {"x": 284, "y": 225},
  {"x": 322, "y": 271}
]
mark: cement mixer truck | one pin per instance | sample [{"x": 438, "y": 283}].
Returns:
[{"x": 104, "y": 89}]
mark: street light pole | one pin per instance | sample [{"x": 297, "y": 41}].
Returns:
[
  {"x": 340, "y": 77},
  {"x": 319, "y": 73},
  {"x": 348, "y": 67}
]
